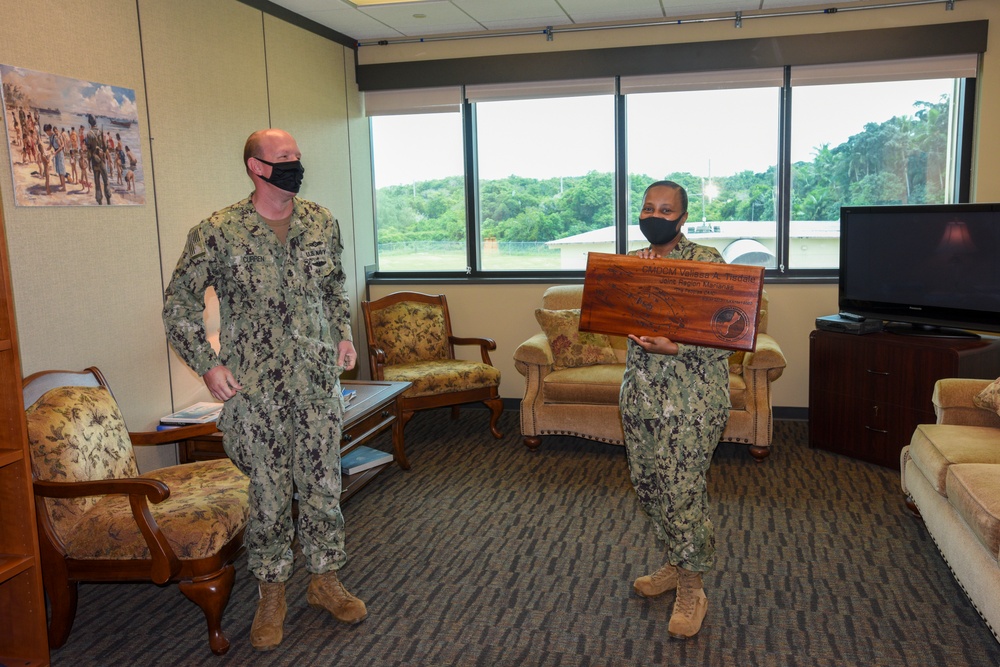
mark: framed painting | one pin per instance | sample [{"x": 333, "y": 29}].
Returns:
[{"x": 71, "y": 142}]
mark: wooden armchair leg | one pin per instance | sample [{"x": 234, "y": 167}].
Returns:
[
  {"x": 63, "y": 597},
  {"x": 212, "y": 595},
  {"x": 759, "y": 453},
  {"x": 496, "y": 408},
  {"x": 532, "y": 442}
]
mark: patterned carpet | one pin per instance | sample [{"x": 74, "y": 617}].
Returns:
[{"x": 487, "y": 554}]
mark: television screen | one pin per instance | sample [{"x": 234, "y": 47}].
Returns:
[{"x": 931, "y": 266}]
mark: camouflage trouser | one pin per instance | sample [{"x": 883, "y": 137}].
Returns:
[
  {"x": 297, "y": 445},
  {"x": 668, "y": 460}
]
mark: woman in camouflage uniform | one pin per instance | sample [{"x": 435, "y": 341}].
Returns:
[{"x": 674, "y": 404}]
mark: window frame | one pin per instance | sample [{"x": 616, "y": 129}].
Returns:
[{"x": 780, "y": 274}]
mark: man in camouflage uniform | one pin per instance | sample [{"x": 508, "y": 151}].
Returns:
[
  {"x": 674, "y": 404},
  {"x": 274, "y": 261},
  {"x": 95, "y": 151}
]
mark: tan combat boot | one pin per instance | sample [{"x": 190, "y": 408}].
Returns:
[
  {"x": 658, "y": 583},
  {"x": 269, "y": 622},
  {"x": 690, "y": 607},
  {"x": 326, "y": 591}
]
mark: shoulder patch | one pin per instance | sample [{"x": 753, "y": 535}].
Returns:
[{"x": 197, "y": 243}]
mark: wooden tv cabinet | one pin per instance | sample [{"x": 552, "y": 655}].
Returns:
[{"x": 867, "y": 393}]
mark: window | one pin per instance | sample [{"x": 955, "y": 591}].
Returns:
[
  {"x": 419, "y": 192},
  {"x": 546, "y": 175},
  {"x": 717, "y": 135},
  {"x": 857, "y": 141},
  {"x": 526, "y": 179}
]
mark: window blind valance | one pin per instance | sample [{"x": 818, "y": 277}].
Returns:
[
  {"x": 962, "y": 66},
  {"x": 495, "y": 92},
  {"x": 413, "y": 100},
  {"x": 729, "y": 79}
]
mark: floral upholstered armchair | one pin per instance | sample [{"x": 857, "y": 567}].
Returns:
[
  {"x": 572, "y": 379},
  {"x": 410, "y": 340},
  {"x": 100, "y": 520}
]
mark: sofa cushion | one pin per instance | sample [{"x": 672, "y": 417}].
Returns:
[
  {"x": 588, "y": 384},
  {"x": 602, "y": 384},
  {"x": 429, "y": 378},
  {"x": 570, "y": 346},
  {"x": 411, "y": 331},
  {"x": 208, "y": 506},
  {"x": 935, "y": 447},
  {"x": 974, "y": 492},
  {"x": 77, "y": 434},
  {"x": 989, "y": 397}
]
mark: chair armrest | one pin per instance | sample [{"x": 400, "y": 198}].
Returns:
[
  {"x": 488, "y": 343},
  {"x": 535, "y": 351},
  {"x": 166, "y": 565},
  {"x": 766, "y": 357},
  {"x": 172, "y": 435},
  {"x": 485, "y": 345},
  {"x": 150, "y": 488},
  {"x": 952, "y": 399},
  {"x": 376, "y": 362}
]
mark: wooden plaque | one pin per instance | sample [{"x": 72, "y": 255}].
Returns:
[{"x": 700, "y": 303}]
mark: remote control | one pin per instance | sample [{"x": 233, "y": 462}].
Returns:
[{"x": 852, "y": 317}]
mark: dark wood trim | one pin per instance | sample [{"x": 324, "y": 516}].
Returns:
[
  {"x": 815, "y": 49},
  {"x": 289, "y": 16}
]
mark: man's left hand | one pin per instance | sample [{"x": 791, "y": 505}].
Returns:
[{"x": 347, "y": 357}]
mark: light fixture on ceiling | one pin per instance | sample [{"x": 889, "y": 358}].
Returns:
[{"x": 372, "y": 3}]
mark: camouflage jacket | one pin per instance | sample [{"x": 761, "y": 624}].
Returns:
[
  {"x": 693, "y": 380},
  {"x": 283, "y": 307}
]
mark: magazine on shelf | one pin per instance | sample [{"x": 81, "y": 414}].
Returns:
[
  {"x": 348, "y": 396},
  {"x": 363, "y": 458},
  {"x": 199, "y": 413}
]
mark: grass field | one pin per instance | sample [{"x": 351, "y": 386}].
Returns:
[{"x": 455, "y": 260}]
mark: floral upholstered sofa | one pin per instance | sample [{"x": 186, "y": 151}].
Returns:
[
  {"x": 950, "y": 474},
  {"x": 572, "y": 379}
]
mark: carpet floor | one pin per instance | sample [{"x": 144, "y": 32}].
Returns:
[{"x": 487, "y": 554}]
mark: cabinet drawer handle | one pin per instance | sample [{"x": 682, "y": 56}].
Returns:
[
  {"x": 878, "y": 372},
  {"x": 876, "y": 430},
  {"x": 348, "y": 437},
  {"x": 386, "y": 413}
]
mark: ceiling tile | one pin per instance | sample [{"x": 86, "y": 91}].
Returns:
[
  {"x": 593, "y": 11},
  {"x": 471, "y": 16},
  {"x": 303, "y": 6},
  {"x": 511, "y": 10},
  {"x": 354, "y": 24},
  {"x": 424, "y": 18}
]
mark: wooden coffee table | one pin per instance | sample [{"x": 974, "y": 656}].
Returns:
[{"x": 374, "y": 409}]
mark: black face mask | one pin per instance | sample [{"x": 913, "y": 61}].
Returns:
[
  {"x": 659, "y": 231},
  {"x": 285, "y": 175}
]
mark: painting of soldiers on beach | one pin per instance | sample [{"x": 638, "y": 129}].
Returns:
[{"x": 72, "y": 142}]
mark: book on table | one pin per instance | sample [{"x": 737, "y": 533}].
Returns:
[
  {"x": 199, "y": 413},
  {"x": 363, "y": 458}
]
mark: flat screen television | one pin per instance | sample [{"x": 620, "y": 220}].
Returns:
[{"x": 930, "y": 270}]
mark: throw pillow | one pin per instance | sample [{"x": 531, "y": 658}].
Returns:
[
  {"x": 736, "y": 362},
  {"x": 989, "y": 398},
  {"x": 570, "y": 346}
]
